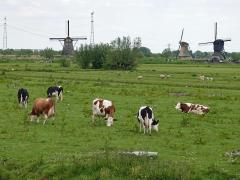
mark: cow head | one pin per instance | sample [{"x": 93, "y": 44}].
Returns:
[
  {"x": 155, "y": 124},
  {"x": 178, "y": 106}
]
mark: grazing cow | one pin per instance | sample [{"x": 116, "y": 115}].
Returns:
[
  {"x": 56, "y": 91},
  {"x": 192, "y": 108},
  {"x": 104, "y": 108},
  {"x": 42, "y": 106},
  {"x": 23, "y": 97},
  {"x": 146, "y": 119}
]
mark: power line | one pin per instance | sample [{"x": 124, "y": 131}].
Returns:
[{"x": 27, "y": 31}]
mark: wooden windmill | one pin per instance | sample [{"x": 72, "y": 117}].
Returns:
[
  {"x": 218, "y": 47},
  {"x": 183, "y": 49},
  {"x": 68, "y": 46}
]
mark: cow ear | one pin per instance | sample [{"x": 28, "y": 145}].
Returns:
[{"x": 157, "y": 121}]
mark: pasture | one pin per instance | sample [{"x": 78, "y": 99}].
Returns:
[{"x": 71, "y": 146}]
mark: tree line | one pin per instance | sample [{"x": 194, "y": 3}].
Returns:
[{"x": 121, "y": 53}]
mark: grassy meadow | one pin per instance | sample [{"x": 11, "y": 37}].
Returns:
[{"x": 72, "y": 147}]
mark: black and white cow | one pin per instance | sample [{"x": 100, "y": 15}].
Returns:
[
  {"x": 23, "y": 97},
  {"x": 192, "y": 108},
  {"x": 56, "y": 91},
  {"x": 146, "y": 119}
]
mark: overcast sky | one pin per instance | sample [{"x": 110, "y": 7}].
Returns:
[{"x": 157, "y": 22}]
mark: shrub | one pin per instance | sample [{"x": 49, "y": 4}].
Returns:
[
  {"x": 65, "y": 63},
  {"x": 120, "y": 54},
  {"x": 123, "y": 54},
  {"x": 48, "y": 54},
  {"x": 89, "y": 56}
]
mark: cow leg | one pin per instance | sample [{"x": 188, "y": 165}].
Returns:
[
  {"x": 25, "y": 104},
  {"x": 93, "y": 118},
  {"x": 149, "y": 126},
  {"x": 61, "y": 96},
  {"x": 32, "y": 118},
  {"x": 45, "y": 119},
  {"x": 57, "y": 97}
]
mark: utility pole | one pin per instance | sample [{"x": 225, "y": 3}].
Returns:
[
  {"x": 169, "y": 47},
  {"x": 92, "y": 30},
  {"x": 5, "y": 33}
]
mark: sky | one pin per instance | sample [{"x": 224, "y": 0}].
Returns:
[{"x": 30, "y": 23}]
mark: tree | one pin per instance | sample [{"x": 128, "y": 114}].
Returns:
[
  {"x": 48, "y": 54},
  {"x": 235, "y": 56},
  {"x": 120, "y": 54},
  {"x": 166, "y": 54},
  {"x": 89, "y": 56},
  {"x": 145, "y": 51},
  {"x": 123, "y": 53}
]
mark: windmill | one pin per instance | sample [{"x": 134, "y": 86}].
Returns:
[
  {"x": 68, "y": 46},
  {"x": 183, "y": 49},
  {"x": 218, "y": 47}
]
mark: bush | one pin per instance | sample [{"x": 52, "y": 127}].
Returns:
[
  {"x": 48, "y": 54},
  {"x": 65, "y": 63},
  {"x": 120, "y": 54},
  {"x": 123, "y": 54}
]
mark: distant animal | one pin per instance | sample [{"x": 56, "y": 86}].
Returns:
[
  {"x": 56, "y": 91},
  {"x": 162, "y": 76},
  {"x": 209, "y": 78},
  {"x": 140, "y": 77},
  {"x": 202, "y": 77},
  {"x": 146, "y": 119},
  {"x": 23, "y": 97},
  {"x": 192, "y": 108},
  {"x": 42, "y": 106},
  {"x": 104, "y": 108}
]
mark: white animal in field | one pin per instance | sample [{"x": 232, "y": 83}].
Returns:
[
  {"x": 146, "y": 119},
  {"x": 104, "y": 108},
  {"x": 56, "y": 91},
  {"x": 140, "y": 77},
  {"x": 202, "y": 77},
  {"x": 162, "y": 76},
  {"x": 192, "y": 108},
  {"x": 23, "y": 97}
]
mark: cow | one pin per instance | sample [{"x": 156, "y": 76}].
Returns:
[
  {"x": 192, "y": 108},
  {"x": 146, "y": 119},
  {"x": 104, "y": 108},
  {"x": 42, "y": 106},
  {"x": 56, "y": 91},
  {"x": 23, "y": 97}
]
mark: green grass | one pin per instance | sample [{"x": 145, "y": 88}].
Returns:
[{"x": 188, "y": 146}]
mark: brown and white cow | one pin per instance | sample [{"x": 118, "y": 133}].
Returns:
[
  {"x": 42, "y": 106},
  {"x": 192, "y": 108},
  {"x": 104, "y": 108}
]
